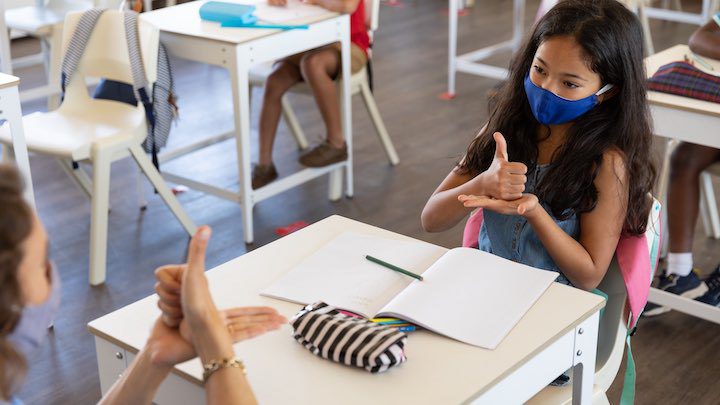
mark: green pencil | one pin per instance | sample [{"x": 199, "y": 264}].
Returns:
[{"x": 393, "y": 267}]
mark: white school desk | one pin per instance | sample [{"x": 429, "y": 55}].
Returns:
[
  {"x": 560, "y": 331},
  {"x": 469, "y": 62},
  {"x": 689, "y": 120},
  {"x": 11, "y": 112},
  {"x": 237, "y": 50}
]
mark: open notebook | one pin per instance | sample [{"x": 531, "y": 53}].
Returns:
[{"x": 468, "y": 295}]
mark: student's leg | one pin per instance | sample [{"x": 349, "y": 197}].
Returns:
[
  {"x": 319, "y": 69},
  {"x": 687, "y": 163},
  {"x": 683, "y": 200},
  {"x": 284, "y": 76}
]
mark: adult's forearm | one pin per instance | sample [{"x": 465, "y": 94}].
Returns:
[{"x": 226, "y": 385}]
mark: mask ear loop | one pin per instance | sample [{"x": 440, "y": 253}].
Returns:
[{"x": 605, "y": 89}]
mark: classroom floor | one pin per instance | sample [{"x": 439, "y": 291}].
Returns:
[{"x": 676, "y": 355}]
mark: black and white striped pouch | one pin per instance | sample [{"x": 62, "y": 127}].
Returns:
[{"x": 348, "y": 340}]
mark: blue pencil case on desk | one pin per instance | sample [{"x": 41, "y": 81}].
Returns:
[{"x": 222, "y": 12}]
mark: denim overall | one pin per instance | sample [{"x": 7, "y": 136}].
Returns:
[{"x": 511, "y": 237}]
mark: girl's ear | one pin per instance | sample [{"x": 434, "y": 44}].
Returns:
[{"x": 608, "y": 94}]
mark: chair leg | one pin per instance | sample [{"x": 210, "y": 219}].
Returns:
[
  {"x": 79, "y": 177},
  {"x": 8, "y": 155},
  {"x": 54, "y": 67},
  {"x": 379, "y": 124},
  {"x": 45, "y": 51},
  {"x": 292, "y": 122},
  {"x": 335, "y": 185},
  {"x": 157, "y": 181},
  {"x": 5, "y": 55},
  {"x": 708, "y": 207},
  {"x": 142, "y": 202},
  {"x": 99, "y": 216}
]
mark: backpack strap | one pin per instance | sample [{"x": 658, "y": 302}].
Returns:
[
  {"x": 627, "y": 397},
  {"x": 78, "y": 42},
  {"x": 164, "y": 106},
  {"x": 140, "y": 82}
]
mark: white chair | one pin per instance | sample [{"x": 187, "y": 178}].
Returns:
[
  {"x": 100, "y": 132},
  {"x": 611, "y": 345},
  {"x": 611, "y": 334},
  {"x": 359, "y": 83},
  {"x": 43, "y": 21}
]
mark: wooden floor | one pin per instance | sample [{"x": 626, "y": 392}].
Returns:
[{"x": 677, "y": 356}]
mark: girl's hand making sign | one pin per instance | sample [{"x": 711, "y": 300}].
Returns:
[
  {"x": 503, "y": 180},
  {"x": 524, "y": 205},
  {"x": 504, "y": 183}
]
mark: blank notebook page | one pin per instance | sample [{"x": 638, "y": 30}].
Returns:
[
  {"x": 339, "y": 274},
  {"x": 472, "y": 296}
]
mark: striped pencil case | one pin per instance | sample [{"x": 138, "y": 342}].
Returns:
[{"x": 355, "y": 342}]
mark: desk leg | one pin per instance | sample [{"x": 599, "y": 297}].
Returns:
[
  {"x": 452, "y": 44},
  {"x": 5, "y": 56},
  {"x": 346, "y": 106},
  {"x": 238, "y": 67},
  {"x": 662, "y": 192},
  {"x": 10, "y": 102},
  {"x": 586, "y": 335},
  {"x": 518, "y": 23}
]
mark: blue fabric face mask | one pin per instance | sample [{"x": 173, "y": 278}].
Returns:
[
  {"x": 30, "y": 333},
  {"x": 551, "y": 109}
]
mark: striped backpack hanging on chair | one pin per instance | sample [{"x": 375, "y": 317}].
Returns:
[{"x": 159, "y": 104}]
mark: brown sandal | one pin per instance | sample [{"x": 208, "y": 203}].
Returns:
[
  {"x": 263, "y": 175},
  {"x": 324, "y": 155}
]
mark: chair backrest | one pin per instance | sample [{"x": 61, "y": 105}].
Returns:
[
  {"x": 67, "y": 5},
  {"x": 372, "y": 16},
  {"x": 612, "y": 328},
  {"x": 106, "y": 54}
]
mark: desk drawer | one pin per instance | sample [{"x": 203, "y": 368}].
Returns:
[{"x": 112, "y": 362}]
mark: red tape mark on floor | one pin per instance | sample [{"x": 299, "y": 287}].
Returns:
[
  {"x": 286, "y": 230},
  {"x": 446, "y": 96},
  {"x": 461, "y": 12}
]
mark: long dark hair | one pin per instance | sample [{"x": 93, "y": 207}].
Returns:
[
  {"x": 612, "y": 40},
  {"x": 15, "y": 226}
]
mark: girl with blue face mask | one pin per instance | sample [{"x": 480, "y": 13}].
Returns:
[{"x": 563, "y": 166}]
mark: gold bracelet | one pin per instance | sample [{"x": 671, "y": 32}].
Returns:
[{"x": 215, "y": 365}]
